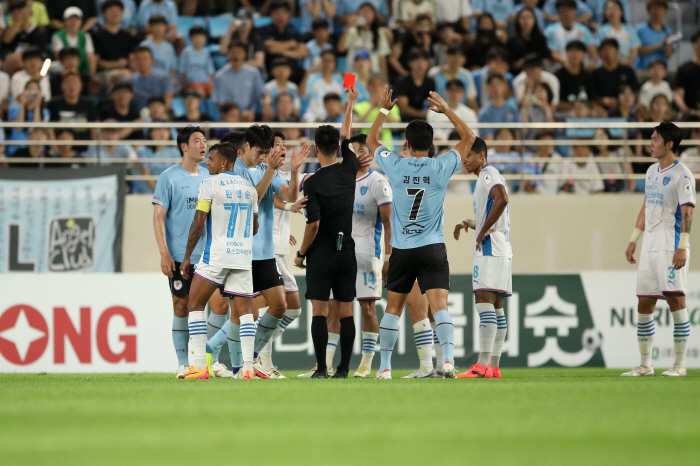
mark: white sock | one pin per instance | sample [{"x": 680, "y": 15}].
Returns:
[
  {"x": 333, "y": 339},
  {"x": 438, "y": 349},
  {"x": 197, "y": 325},
  {"x": 247, "y": 340},
  {"x": 681, "y": 332},
  {"x": 423, "y": 335},
  {"x": 487, "y": 331},
  {"x": 645, "y": 336},
  {"x": 501, "y": 330},
  {"x": 369, "y": 345}
]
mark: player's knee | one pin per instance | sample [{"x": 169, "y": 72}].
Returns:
[
  {"x": 369, "y": 310},
  {"x": 180, "y": 307}
]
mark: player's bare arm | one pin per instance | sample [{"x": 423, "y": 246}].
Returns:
[
  {"x": 290, "y": 191},
  {"x": 500, "y": 202},
  {"x": 310, "y": 232},
  {"x": 385, "y": 214},
  {"x": 167, "y": 264},
  {"x": 681, "y": 255},
  {"x": 636, "y": 234},
  {"x": 193, "y": 238},
  {"x": 346, "y": 128},
  {"x": 376, "y": 129},
  {"x": 438, "y": 105},
  {"x": 464, "y": 224},
  {"x": 276, "y": 160}
]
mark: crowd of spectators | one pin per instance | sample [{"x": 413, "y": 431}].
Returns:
[{"x": 494, "y": 61}]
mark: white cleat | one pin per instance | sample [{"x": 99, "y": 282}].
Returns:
[
  {"x": 639, "y": 371},
  {"x": 180, "y": 371},
  {"x": 363, "y": 372},
  {"x": 386, "y": 375},
  {"x": 275, "y": 374},
  {"x": 448, "y": 370},
  {"x": 675, "y": 371},
  {"x": 221, "y": 371},
  {"x": 237, "y": 375},
  {"x": 307, "y": 375},
  {"x": 419, "y": 374}
]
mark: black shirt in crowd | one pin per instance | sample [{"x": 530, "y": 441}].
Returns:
[
  {"x": 108, "y": 112},
  {"x": 573, "y": 84},
  {"x": 606, "y": 83},
  {"x": 112, "y": 47},
  {"x": 82, "y": 112},
  {"x": 518, "y": 47},
  {"x": 688, "y": 77},
  {"x": 55, "y": 8},
  {"x": 417, "y": 95}
]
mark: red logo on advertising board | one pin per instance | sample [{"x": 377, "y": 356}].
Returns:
[{"x": 24, "y": 334}]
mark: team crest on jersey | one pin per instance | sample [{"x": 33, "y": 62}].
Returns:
[
  {"x": 666, "y": 180},
  {"x": 386, "y": 190},
  {"x": 688, "y": 189},
  {"x": 363, "y": 190},
  {"x": 177, "y": 284},
  {"x": 487, "y": 179},
  {"x": 384, "y": 153}
]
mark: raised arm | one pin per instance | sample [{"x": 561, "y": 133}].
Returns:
[
  {"x": 438, "y": 105},
  {"x": 500, "y": 201},
  {"x": 376, "y": 129},
  {"x": 196, "y": 228},
  {"x": 346, "y": 129},
  {"x": 275, "y": 161},
  {"x": 636, "y": 234},
  {"x": 290, "y": 191}
]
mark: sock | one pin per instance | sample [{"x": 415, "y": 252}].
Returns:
[
  {"x": 445, "y": 331},
  {"x": 198, "y": 335},
  {"x": 233, "y": 337},
  {"x": 645, "y": 336},
  {"x": 319, "y": 335},
  {"x": 266, "y": 353},
  {"x": 214, "y": 324},
  {"x": 388, "y": 334},
  {"x": 501, "y": 330},
  {"x": 181, "y": 336},
  {"x": 248, "y": 337},
  {"x": 487, "y": 331},
  {"x": 423, "y": 336},
  {"x": 369, "y": 344},
  {"x": 219, "y": 338},
  {"x": 347, "y": 340},
  {"x": 331, "y": 346},
  {"x": 266, "y": 327},
  {"x": 681, "y": 332},
  {"x": 437, "y": 348}
]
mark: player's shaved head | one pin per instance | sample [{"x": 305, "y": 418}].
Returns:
[{"x": 419, "y": 135}]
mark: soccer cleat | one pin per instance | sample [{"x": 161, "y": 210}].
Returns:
[
  {"x": 247, "y": 375},
  {"x": 210, "y": 365},
  {"x": 496, "y": 373},
  {"x": 340, "y": 374},
  {"x": 449, "y": 370},
  {"x": 477, "y": 371},
  {"x": 419, "y": 374},
  {"x": 259, "y": 371},
  {"x": 307, "y": 375},
  {"x": 237, "y": 375},
  {"x": 194, "y": 373},
  {"x": 437, "y": 375},
  {"x": 675, "y": 371},
  {"x": 386, "y": 375},
  {"x": 275, "y": 374},
  {"x": 639, "y": 371},
  {"x": 220, "y": 371},
  {"x": 180, "y": 372},
  {"x": 363, "y": 372},
  {"x": 318, "y": 374}
]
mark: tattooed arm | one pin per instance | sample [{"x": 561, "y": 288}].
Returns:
[{"x": 192, "y": 239}]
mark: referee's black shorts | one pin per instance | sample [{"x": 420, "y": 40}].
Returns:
[
  {"x": 266, "y": 275},
  {"x": 329, "y": 269},
  {"x": 428, "y": 264}
]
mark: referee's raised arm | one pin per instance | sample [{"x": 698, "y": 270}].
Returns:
[{"x": 376, "y": 129}]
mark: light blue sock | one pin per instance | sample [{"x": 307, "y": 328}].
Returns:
[
  {"x": 233, "y": 337},
  {"x": 214, "y": 324},
  {"x": 445, "y": 331},
  {"x": 219, "y": 339},
  {"x": 181, "y": 336},
  {"x": 388, "y": 334},
  {"x": 266, "y": 327}
]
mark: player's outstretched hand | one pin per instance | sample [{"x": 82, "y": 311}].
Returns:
[
  {"x": 276, "y": 159},
  {"x": 167, "y": 265},
  {"x": 352, "y": 94},
  {"x": 629, "y": 254},
  {"x": 679, "y": 258},
  {"x": 480, "y": 238},
  {"x": 292, "y": 240},
  {"x": 387, "y": 103},
  {"x": 299, "y": 158},
  {"x": 298, "y": 205},
  {"x": 437, "y": 103},
  {"x": 365, "y": 159},
  {"x": 185, "y": 267}
]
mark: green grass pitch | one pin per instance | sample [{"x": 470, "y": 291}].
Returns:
[{"x": 531, "y": 416}]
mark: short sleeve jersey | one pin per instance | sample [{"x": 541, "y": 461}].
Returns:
[
  {"x": 230, "y": 222},
  {"x": 263, "y": 243},
  {"x": 497, "y": 243},
  {"x": 281, "y": 230},
  {"x": 371, "y": 192},
  {"x": 418, "y": 186},
  {"x": 666, "y": 192},
  {"x": 176, "y": 190}
]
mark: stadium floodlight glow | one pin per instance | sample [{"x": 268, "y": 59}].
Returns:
[{"x": 45, "y": 68}]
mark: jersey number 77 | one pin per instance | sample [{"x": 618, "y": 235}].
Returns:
[{"x": 234, "y": 208}]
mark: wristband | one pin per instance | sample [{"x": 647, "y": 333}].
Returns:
[
  {"x": 471, "y": 223},
  {"x": 636, "y": 234},
  {"x": 384, "y": 111},
  {"x": 683, "y": 241},
  {"x": 288, "y": 206},
  {"x": 302, "y": 256}
]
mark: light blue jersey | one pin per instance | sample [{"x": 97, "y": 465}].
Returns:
[
  {"x": 418, "y": 186},
  {"x": 176, "y": 191},
  {"x": 263, "y": 241}
]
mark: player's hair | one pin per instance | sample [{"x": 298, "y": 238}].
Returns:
[
  {"x": 454, "y": 84},
  {"x": 419, "y": 135},
  {"x": 360, "y": 138},
  {"x": 260, "y": 136},
  {"x": 326, "y": 139},
  {"x": 480, "y": 146},
  {"x": 227, "y": 151},
  {"x": 670, "y": 133},
  {"x": 183, "y": 137},
  {"x": 235, "y": 138},
  {"x": 279, "y": 134}
]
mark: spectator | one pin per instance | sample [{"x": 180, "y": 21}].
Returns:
[
  {"x": 511, "y": 161},
  {"x": 410, "y": 10},
  {"x": 584, "y": 164},
  {"x": 240, "y": 29},
  {"x": 654, "y": 36},
  {"x": 412, "y": 91},
  {"x": 536, "y": 107},
  {"x": 533, "y": 73},
  {"x": 285, "y": 103},
  {"x": 113, "y": 44},
  {"x": 321, "y": 33},
  {"x": 148, "y": 82},
  {"x": 72, "y": 36},
  {"x": 656, "y": 84},
  {"x": 162, "y": 51},
  {"x": 364, "y": 32},
  {"x": 548, "y": 186},
  {"x": 106, "y": 151},
  {"x": 496, "y": 63},
  {"x": 573, "y": 78},
  {"x": 238, "y": 83},
  {"x": 159, "y": 151},
  {"x": 314, "y": 10},
  {"x": 69, "y": 58},
  {"x": 21, "y": 34},
  {"x": 535, "y": 10},
  {"x": 363, "y": 70},
  {"x": 40, "y": 16},
  {"x": 320, "y": 83},
  {"x": 164, "y": 8},
  {"x": 280, "y": 39},
  {"x": 598, "y": 8},
  {"x": 27, "y": 107},
  {"x": 57, "y": 9},
  {"x": 281, "y": 71},
  {"x": 551, "y": 11},
  {"x": 156, "y": 111},
  {"x": 446, "y": 38},
  {"x": 608, "y": 78},
  {"x": 367, "y": 111},
  {"x": 559, "y": 34},
  {"x": 615, "y": 27},
  {"x": 193, "y": 102},
  {"x": 605, "y": 149},
  {"x": 454, "y": 69},
  {"x": 196, "y": 65},
  {"x": 334, "y": 110},
  {"x": 119, "y": 109},
  {"x": 66, "y": 151},
  {"x": 454, "y": 95},
  {"x": 419, "y": 36},
  {"x": 71, "y": 107},
  {"x": 693, "y": 152},
  {"x": 32, "y": 61},
  {"x": 348, "y": 8},
  {"x": 497, "y": 110},
  {"x": 456, "y": 13},
  {"x": 230, "y": 114},
  {"x": 626, "y": 108},
  {"x": 687, "y": 92},
  {"x": 483, "y": 41},
  {"x": 528, "y": 39},
  {"x": 40, "y": 153},
  {"x": 128, "y": 14},
  {"x": 499, "y": 10}
]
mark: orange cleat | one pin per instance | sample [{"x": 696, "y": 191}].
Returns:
[
  {"x": 247, "y": 375},
  {"x": 496, "y": 373},
  {"x": 477, "y": 371},
  {"x": 194, "y": 373}
]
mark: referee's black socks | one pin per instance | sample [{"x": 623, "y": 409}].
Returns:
[
  {"x": 347, "y": 340},
  {"x": 319, "y": 334}
]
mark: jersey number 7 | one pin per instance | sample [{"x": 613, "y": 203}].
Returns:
[
  {"x": 234, "y": 208},
  {"x": 417, "y": 195}
]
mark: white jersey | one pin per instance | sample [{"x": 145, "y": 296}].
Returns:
[
  {"x": 281, "y": 231},
  {"x": 371, "y": 192},
  {"x": 229, "y": 227},
  {"x": 495, "y": 244},
  {"x": 666, "y": 191}
]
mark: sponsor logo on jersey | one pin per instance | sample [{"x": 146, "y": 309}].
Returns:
[
  {"x": 413, "y": 229},
  {"x": 487, "y": 179}
]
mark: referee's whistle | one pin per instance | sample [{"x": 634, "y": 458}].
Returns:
[{"x": 339, "y": 242}]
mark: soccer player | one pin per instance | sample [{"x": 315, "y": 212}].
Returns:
[
  {"x": 665, "y": 220},
  {"x": 493, "y": 256},
  {"x": 228, "y": 204},
  {"x": 174, "y": 202},
  {"x": 419, "y": 184}
]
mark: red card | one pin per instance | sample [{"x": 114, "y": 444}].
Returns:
[{"x": 349, "y": 80}]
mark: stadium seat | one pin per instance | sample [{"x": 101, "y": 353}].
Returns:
[
  {"x": 178, "y": 107},
  {"x": 297, "y": 23},
  {"x": 185, "y": 23},
  {"x": 219, "y": 61},
  {"x": 262, "y": 21},
  {"x": 341, "y": 64},
  {"x": 218, "y": 25},
  {"x": 213, "y": 49},
  {"x": 212, "y": 109},
  {"x": 304, "y": 106}
]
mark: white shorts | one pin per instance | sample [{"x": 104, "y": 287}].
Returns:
[
  {"x": 493, "y": 273},
  {"x": 290, "y": 282},
  {"x": 657, "y": 276},
  {"x": 368, "y": 283},
  {"x": 233, "y": 282}
]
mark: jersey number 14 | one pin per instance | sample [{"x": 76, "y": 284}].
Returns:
[{"x": 234, "y": 208}]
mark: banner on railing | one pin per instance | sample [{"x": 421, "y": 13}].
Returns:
[
  {"x": 61, "y": 220},
  {"x": 122, "y": 323}
]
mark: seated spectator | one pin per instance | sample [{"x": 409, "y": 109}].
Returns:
[
  {"x": 484, "y": 40},
  {"x": 605, "y": 149},
  {"x": 496, "y": 63},
  {"x": 654, "y": 36},
  {"x": 499, "y": 10},
  {"x": 20, "y": 34},
  {"x": 533, "y": 73},
  {"x": 196, "y": 65},
  {"x": 32, "y": 61},
  {"x": 280, "y": 39},
  {"x": 157, "y": 110},
  {"x": 229, "y": 113},
  {"x": 626, "y": 108},
  {"x": 160, "y": 151},
  {"x": 528, "y": 40},
  {"x": 497, "y": 110},
  {"x": 106, "y": 151},
  {"x": 347, "y": 8},
  {"x": 57, "y": 8},
  {"x": 548, "y": 186},
  {"x": 584, "y": 164},
  {"x": 617, "y": 28},
  {"x": 454, "y": 69},
  {"x": 238, "y": 83},
  {"x": 321, "y": 33},
  {"x": 446, "y": 38},
  {"x": 113, "y": 44},
  {"x": 193, "y": 101},
  {"x": 410, "y": 10},
  {"x": 69, "y": 59},
  {"x": 690, "y": 152},
  {"x": 40, "y": 15},
  {"x": 510, "y": 162},
  {"x": 334, "y": 110},
  {"x": 162, "y": 51},
  {"x": 71, "y": 107},
  {"x": 454, "y": 96},
  {"x": 412, "y": 91},
  {"x": 598, "y": 8},
  {"x": 119, "y": 109},
  {"x": 364, "y": 32},
  {"x": 128, "y": 16},
  {"x": 281, "y": 71},
  {"x": 73, "y": 36},
  {"x": 363, "y": 70},
  {"x": 240, "y": 29},
  {"x": 573, "y": 77},
  {"x": 367, "y": 111},
  {"x": 285, "y": 114},
  {"x": 320, "y": 83},
  {"x": 455, "y": 13},
  {"x": 536, "y": 107},
  {"x": 66, "y": 151},
  {"x": 536, "y": 11},
  {"x": 148, "y": 82},
  {"x": 687, "y": 92},
  {"x": 608, "y": 78},
  {"x": 551, "y": 10},
  {"x": 559, "y": 34},
  {"x": 164, "y": 8},
  {"x": 40, "y": 153},
  {"x": 419, "y": 36},
  {"x": 27, "y": 108},
  {"x": 316, "y": 10},
  {"x": 656, "y": 84}
]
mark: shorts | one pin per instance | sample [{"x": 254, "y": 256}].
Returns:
[
  {"x": 180, "y": 287},
  {"x": 232, "y": 282},
  {"x": 368, "y": 282},
  {"x": 330, "y": 270},
  {"x": 493, "y": 273},
  {"x": 657, "y": 276},
  {"x": 290, "y": 282},
  {"x": 266, "y": 275},
  {"x": 428, "y": 264}
]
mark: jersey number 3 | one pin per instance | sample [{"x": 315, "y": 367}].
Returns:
[
  {"x": 417, "y": 195},
  {"x": 234, "y": 208}
]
